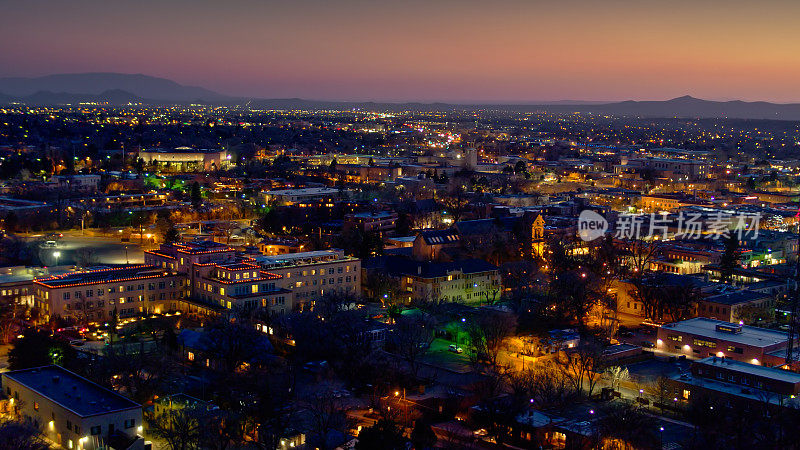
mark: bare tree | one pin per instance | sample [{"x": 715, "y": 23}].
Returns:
[
  {"x": 179, "y": 427},
  {"x": 580, "y": 366},
  {"x": 326, "y": 412},
  {"x": 487, "y": 332},
  {"x": 616, "y": 375},
  {"x": 21, "y": 435},
  {"x": 411, "y": 338}
]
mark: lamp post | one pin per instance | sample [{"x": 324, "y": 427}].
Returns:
[
  {"x": 661, "y": 434},
  {"x": 56, "y": 255}
]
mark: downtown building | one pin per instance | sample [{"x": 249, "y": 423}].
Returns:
[
  {"x": 218, "y": 281},
  {"x": 311, "y": 275},
  {"x": 99, "y": 295},
  {"x": 702, "y": 337}
]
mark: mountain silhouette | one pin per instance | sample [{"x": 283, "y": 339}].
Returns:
[
  {"x": 121, "y": 89},
  {"x": 142, "y": 86}
]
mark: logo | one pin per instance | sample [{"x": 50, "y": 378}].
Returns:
[{"x": 591, "y": 225}]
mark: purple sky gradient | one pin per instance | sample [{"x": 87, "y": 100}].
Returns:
[{"x": 447, "y": 50}]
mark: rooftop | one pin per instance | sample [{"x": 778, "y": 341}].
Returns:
[
  {"x": 427, "y": 269},
  {"x": 303, "y": 191},
  {"x": 734, "y": 298},
  {"x": 752, "y": 369},
  {"x": 752, "y": 336},
  {"x": 432, "y": 237},
  {"x": 103, "y": 276},
  {"x": 199, "y": 247},
  {"x": 71, "y": 391},
  {"x": 289, "y": 259}
]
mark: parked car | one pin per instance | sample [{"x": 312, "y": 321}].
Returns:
[
  {"x": 648, "y": 344},
  {"x": 455, "y": 349}
]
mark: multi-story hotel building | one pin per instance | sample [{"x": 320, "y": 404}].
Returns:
[
  {"x": 97, "y": 295},
  {"x": 216, "y": 277},
  {"x": 310, "y": 275},
  {"x": 72, "y": 411}
]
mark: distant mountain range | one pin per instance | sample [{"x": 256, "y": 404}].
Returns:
[
  {"x": 121, "y": 89},
  {"x": 105, "y": 85}
]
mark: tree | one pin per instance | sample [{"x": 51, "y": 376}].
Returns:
[
  {"x": 615, "y": 376},
  {"x": 384, "y": 435},
  {"x": 36, "y": 348},
  {"x": 233, "y": 343},
  {"x": 545, "y": 385},
  {"x": 628, "y": 423},
  {"x": 179, "y": 427},
  {"x": 166, "y": 228},
  {"x": 456, "y": 202},
  {"x": 139, "y": 166},
  {"x": 21, "y": 435},
  {"x": 661, "y": 391},
  {"x": 196, "y": 195},
  {"x": 729, "y": 259},
  {"x": 487, "y": 332},
  {"x": 327, "y": 413},
  {"x": 581, "y": 366},
  {"x": 423, "y": 436},
  {"x": 411, "y": 338},
  {"x": 11, "y": 222}
]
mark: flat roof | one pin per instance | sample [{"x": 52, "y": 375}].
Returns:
[
  {"x": 138, "y": 272},
  {"x": 71, "y": 391},
  {"x": 733, "y": 298},
  {"x": 302, "y": 191},
  {"x": 738, "y": 390},
  {"x": 751, "y": 369},
  {"x": 292, "y": 257},
  {"x": 752, "y": 336}
]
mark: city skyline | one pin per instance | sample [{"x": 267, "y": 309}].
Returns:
[{"x": 515, "y": 52}]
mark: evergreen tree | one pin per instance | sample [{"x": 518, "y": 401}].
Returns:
[
  {"x": 729, "y": 259},
  {"x": 197, "y": 197}
]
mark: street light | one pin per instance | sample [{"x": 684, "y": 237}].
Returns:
[
  {"x": 56, "y": 255},
  {"x": 661, "y": 429}
]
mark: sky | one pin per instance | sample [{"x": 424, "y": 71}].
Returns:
[{"x": 509, "y": 51}]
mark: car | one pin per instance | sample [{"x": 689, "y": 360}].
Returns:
[
  {"x": 626, "y": 333},
  {"x": 341, "y": 393},
  {"x": 77, "y": 342},
  {"x": 455, "y": 349},
  {"x": 648, "y": 344}
]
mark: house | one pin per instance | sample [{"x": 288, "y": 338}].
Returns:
[{"x": 72, "y": 411}]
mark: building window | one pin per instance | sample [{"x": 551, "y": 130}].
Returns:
[
  {"x": 129, "y": 423},
  {"x": 95, "y": 431},
  {"x": 704, "y": 343},
  {"x": 36, "y": 406}
]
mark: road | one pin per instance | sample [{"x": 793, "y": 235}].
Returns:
[{"x": 73, "y": 247}]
